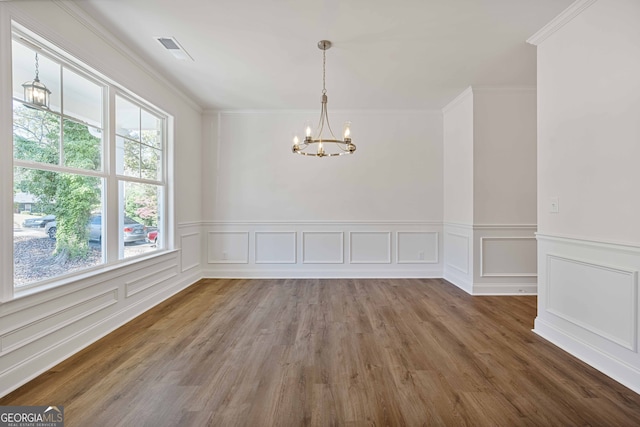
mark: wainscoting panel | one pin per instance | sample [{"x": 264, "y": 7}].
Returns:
[
  {"x": 508, "y": 257},
  {"x": 589, "y": 302},
  {"x": 150, "y": 277},
  {"x": 49, "y": 323},
  {"x": 324, "y": 249},
  {"x": 275, "y": 247},
  {"x": 40, "y": 329},
  {"x": 418, "y": 247},
  {"x": 458, "y": 251},
  {"x": 370, "y": 247},
  {"x": 228, "y": 247},
  {"x": 190, "y": 251},
  {"x": 572, "y": 287}
]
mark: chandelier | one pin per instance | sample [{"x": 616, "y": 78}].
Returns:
[
  {"x": 319, "y": 145},
  {"x": 35, "y": 92}
]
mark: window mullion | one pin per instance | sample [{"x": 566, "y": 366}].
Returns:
[
  {"x": 61, "y": 137},
  {"x": 110, "y": 208}
]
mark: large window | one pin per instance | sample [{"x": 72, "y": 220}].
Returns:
[{"x": 89, "y": 168}]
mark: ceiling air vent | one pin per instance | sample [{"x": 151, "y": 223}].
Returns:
[{"x": 172, "y": 46}]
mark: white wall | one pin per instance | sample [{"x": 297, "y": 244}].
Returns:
[
  {"x": 588, "y": 151},
  {"x": 458, "y": 159},
  {"x": 504, "y": 155},
  {"x": 490, "y": 191},
  {"x": 589, "y": 126},
  {"x": 353, "y": 212},
  {"x": 395, "y": 174},
  {"x": 39, "y": 329}
]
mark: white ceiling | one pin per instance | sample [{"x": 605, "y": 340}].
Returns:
[{"x": 386, "y": 54}]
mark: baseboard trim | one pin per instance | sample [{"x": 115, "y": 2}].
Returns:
[
  {"x": 616, "y": 369},
  {"x": 505, "y": 289},
  {"x": 459, "y": 282},
  {"x": 321, "y": 274},
  {"x": 30, "y": 368}
]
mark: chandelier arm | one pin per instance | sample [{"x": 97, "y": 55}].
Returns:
[
  {"x": 328, "y": 124},
  {"x": 320, "y": 122}
]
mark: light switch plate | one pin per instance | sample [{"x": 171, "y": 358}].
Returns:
[{"x": 554, "y": 205}]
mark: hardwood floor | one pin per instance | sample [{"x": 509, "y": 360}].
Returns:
[{"x": 330, "y": 352}]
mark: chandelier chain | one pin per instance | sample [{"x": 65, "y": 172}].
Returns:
[
  {"x": 324, "y": 66},
  {"x": 36, "y": 65}
]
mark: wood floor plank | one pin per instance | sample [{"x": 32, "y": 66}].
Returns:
[{"x": 320, "y": 352}]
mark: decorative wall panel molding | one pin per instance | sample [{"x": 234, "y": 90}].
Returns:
[
  {"x": 508, "y": 257},
  {"x": 574, "y": 285},
  {"x": 190, "y": 251},
  {"x": 326, "y": 249},
  {"x": 228, "y": 247},
  {"x": 457, "y": 248},
  {"x": 275, "y": 247},
  {"x": 322, "y": 247},
  {"x": 370, "y": 247},
  {"x": 589, "y": 302},
  {"x": 43, "y": 326},
  {"x": 151, "y": 279},
  {"x": 40, "y": 330},
  {"x": 418, "y": 247}
]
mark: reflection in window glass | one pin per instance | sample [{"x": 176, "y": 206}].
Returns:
[
  {"x": 127, "y": 157},
  {"x": 36, "y": 135},
  {"x": 150, "y": 161},
  {"x": 151, "y": 130},
  {"x": 82, "y": 146},
  {"x": 24, "y": 70},
  {"x": 140, "y": 220},
  {"x": 127, "y": 119},
  {"x": 139, "y": 149},
  {"x": 82, "y": 98},
  {"x": 51, "y": 239}
]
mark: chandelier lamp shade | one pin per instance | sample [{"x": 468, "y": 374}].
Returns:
[
  {"x": 35, "y": 92},
  {"x": 316, "y": 144}
]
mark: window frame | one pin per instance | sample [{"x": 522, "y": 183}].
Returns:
[{"x": 112, "y": 246}]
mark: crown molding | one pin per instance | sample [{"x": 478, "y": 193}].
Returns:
[
  {"x": 458, "y": 99},
  {"x": 575, "y": 9},
  {"x": 314, "y": 111},
  {"x": 522, "y": 88},
  {"x": 91, "y": 24}
]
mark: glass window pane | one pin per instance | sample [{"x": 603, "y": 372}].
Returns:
[
  {"x": 140, "y": 220},
  {"x": 51, "y": 238},
  {"x": 82, "y": 146},
  {"x": 36, "y": 134},
  {"x": 127, "y": 157},
  {"x": 127, "y": 119},
  {"x": 150, "y": 162},
  {"x": 151, "y": 131},
  {"x": 24, "y": 70},
  {"x": 82, "y": 98}
]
